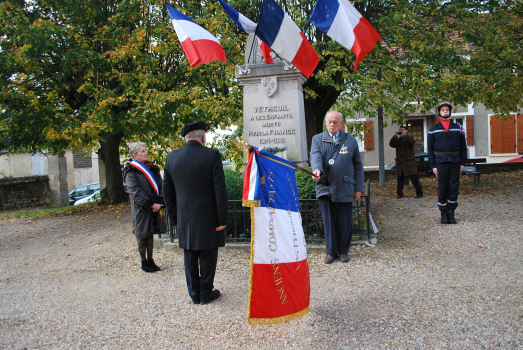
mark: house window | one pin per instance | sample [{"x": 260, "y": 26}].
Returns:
[
  {"x": 502, "y": 135},
  {"x": 82, "y": 159}
]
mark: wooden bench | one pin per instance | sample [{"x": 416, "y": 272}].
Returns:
[{"x": 475, "y": 173}]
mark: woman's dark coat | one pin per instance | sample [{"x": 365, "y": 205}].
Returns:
[
  {"x": 405, "y": 159},
  {"x": 196, "y": 196},
  {"x": 142, "y": 196}
]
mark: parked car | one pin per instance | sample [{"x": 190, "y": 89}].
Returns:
[
  {"x": 422, "y": 161},
  {"x": 515, "y": 160},
  {"x": 82, "y": 192},
  {"x": 95, "y": 197}
]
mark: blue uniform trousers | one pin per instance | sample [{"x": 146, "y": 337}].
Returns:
[
  {"x": 448, "y": 185},
  {"x": 200, "y": 281},
  {"x": 337, "y": 224}
]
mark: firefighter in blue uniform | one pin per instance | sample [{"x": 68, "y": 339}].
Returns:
[{"x": 447, "y": 151}]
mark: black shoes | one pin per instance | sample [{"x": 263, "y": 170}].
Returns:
[
  {"x": 444, "y": 217},
  {"x": 399, "y": 196},
  {"x": 153, "y": 265},
  {"x": 215, "y": 294},
  {"x": 419, "y": 195},
  {"x": 344, "y": 258},
  {"x": 147, "y": 267},
  {"x": 150, "y": 266},
  {"x": 329, "y": 259},
  {"x": 452, "y": 219}
]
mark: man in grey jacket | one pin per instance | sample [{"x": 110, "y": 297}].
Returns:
[{"x": 335, "y": 157}]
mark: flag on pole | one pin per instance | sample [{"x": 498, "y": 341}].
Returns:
[
  {"x": 199, "y": 45},
  {"x": 340, "y": 20},
  {"x": 280, "y": 282},
  {"x": 283, "y": 36},
  {"x": 248, "y": 27}
]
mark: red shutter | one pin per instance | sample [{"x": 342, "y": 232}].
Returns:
[
  {"x": 508, "y": 128},
  {"x": 502, "y": 135},
  {"x": 520, "y": 133},
  {"x": 368, "y": 136},
  {"x": 496, "y": 144},
  {"x": 435, "y": 120},
  {"x": 470, "y": 130}
]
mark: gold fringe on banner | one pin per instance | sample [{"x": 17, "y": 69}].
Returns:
[
  {"x": 252, "y": 265},
  {"x": 277, "y": 320},
  {"x": 250, "y": 204}
]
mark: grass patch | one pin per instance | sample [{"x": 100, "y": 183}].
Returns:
[{"x": 73, "y": 209}]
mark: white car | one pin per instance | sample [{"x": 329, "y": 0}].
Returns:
[{"x": 95, "y": 197}]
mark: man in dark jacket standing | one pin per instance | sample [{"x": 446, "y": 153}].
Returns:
[
  {"x": 447, "y": 151},
  {"x": 405, "y": 160},
  {"x": 335, "y": 157},
  {"x": 196, "y": 200}
]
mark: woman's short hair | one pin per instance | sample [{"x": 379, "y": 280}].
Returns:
[
  {"x": 134, "y": 147},
  {"x": 195, "y": 134}
]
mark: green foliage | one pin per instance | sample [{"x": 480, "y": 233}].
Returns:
[
  {"x": 234, "y": 184},
  {"x": 306, "y": 185}
]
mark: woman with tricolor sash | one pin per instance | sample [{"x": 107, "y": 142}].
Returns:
[{"x": 144, "y": 184}]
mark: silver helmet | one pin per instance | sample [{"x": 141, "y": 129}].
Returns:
[{"x": 444, "y": 103}]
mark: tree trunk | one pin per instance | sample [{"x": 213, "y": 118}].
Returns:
[
  {"x": 109, "y": 153},
  {"x": 316, "y": 109}
]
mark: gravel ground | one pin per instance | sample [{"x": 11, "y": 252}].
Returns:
[{"x": 74, "y": 282}]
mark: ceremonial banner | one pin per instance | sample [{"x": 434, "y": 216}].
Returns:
[
  {"x": 283, "y": 36},
  {"x": 199, "y": 45},
  {"x": 280, "y": 282},
  {"x": 340, "y": 20},
  {"x": 248, "y": 27}
]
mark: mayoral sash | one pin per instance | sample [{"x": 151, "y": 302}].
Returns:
[{"x": 148, "y": 174}]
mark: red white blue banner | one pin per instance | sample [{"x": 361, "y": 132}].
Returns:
[
  {"x": 148, "y": 174},
  {"x": 280, "y": 282},
  {"x": 283, "y": 36},
  {"x": 248, "y": 27},
  {"x": 199, "y": 45},
  {"x": 340, "y": 20}
]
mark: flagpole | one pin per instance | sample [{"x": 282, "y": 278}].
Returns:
[
  {"x": 246, "y": 71},
  {"x": 243, "y": 144}
]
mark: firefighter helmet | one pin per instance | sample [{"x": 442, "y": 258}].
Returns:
[{"x": 444, "y": 103}]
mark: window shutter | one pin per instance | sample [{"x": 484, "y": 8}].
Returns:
[
  {"x": 520, "y": 133},
  {"x": 368, "y": 136},
  {"x": 435, "y": 120},
  {"x": 470, "y": 130},
  {"x": 503, "y": 135},
  {"x": 496, "y": 141},
  {"x": 508, "y": 128}
]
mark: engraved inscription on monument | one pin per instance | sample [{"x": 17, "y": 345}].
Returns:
[{"x": 273, "y": 110}]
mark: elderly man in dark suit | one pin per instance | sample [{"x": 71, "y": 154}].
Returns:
[
  {"x": 196, "y": 200},
  {"x": 335, "y": 157}
]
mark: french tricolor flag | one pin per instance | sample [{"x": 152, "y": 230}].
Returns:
[
  {"x": 279, "y": 31},
  {"x": 280, "y": 281},
  {"x": 340, "y": 20},
  {"x": 248, "y": 27},
  {"x": 199, "y": 45}
]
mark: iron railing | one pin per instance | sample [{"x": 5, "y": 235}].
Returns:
[{"x": 239, "y": 226}]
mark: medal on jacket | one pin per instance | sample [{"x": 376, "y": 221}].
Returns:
[
  {"x": 343, "y": 150},
  {"x": 331, "y": 161}
]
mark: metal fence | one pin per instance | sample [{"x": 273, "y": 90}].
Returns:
[{"x": 239, "y": 226}]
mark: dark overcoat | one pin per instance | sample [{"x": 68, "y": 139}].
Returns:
[
  {"x": 142, "y": 197},
  {"x": 196, "y": 196},
  {"x": 345, "y": 176},
  {"x": 405, "y": 157}
]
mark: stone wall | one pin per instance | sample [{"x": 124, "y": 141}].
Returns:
[{"x": 25, "y": 191}]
